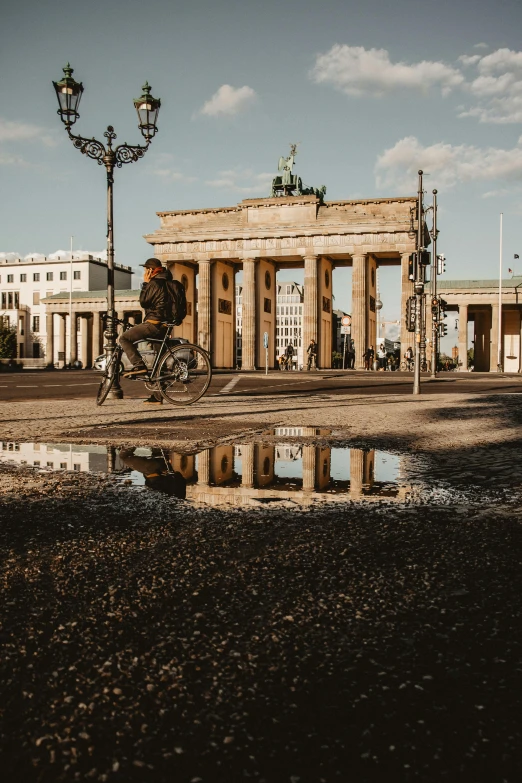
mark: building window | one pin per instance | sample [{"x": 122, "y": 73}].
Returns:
[
  {"x": 36, "y": 277},
  {"x": 23, "y": 278},
  {"x": 36, "y": 297},
  {"x": 36, "y": 462},
  {"x": 10, "y": 278},
  {"x": 10, "y": 300},
  {"x": 49, "y": 276},
  {"x": 63, "y": 275},
  {"x": 77, "y": 275},
  {"x": 77, "y": 466},
  {"x": 36, "y": 323},
  {"x": 63, "y": 465},
  {"x": 50, "y": 464},
  {"x": 36, "y": 351}
]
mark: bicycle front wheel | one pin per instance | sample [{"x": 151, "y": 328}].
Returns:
[
  {"x": 109, "y": 376},
  {"x": 184, "y": 374}
]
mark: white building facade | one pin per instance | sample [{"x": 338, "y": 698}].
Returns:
[{"x": 26, "y": 283}]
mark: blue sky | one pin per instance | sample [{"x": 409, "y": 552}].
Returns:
[{"x": 373, "y": 91}]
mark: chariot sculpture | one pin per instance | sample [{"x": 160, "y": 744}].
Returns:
[{"x": 289, "y": 184}]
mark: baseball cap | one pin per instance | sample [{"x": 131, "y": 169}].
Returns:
[{"x": 152, "y": 263}]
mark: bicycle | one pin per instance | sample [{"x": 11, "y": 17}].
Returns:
[
  {"x": 407, "y": 365},
  {"x": 181, "y": 372}
]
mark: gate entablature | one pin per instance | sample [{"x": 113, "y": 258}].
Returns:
[{"x": 288, "y": 232}]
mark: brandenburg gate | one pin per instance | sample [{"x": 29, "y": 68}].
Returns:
[{"x": 204, "y": 248}]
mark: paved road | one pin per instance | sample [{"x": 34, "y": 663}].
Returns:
[{"x": 83, "y": 383}]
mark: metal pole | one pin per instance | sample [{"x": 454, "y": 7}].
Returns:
[
  {"x": 344, "y": 352},
  {"x": 419, "y": 289},
  {"x": 110, "y": 333},
  {"x": 434, "y": 323},
  {"x": 499, "y": 355},
  {"x": 70, "y": 304}
]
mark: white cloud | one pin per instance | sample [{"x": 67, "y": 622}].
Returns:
[
  {"x": 481, "y": 45},
  {"x": 469, "y": 59},
  {"x": 171, "y": 175},
  {"x": 446, "y": 164},
  {"x": 497, "y": 88},
  {"x": 243, "y": 181},
  {"x": 22, "y": 131},
  {"x": 356, "y": 71},
  {"x": 6, "y": 159},
  {"x": 228, "y": 100}
]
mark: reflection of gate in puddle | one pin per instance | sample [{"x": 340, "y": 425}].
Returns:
[{"x": 256, "y": 472}]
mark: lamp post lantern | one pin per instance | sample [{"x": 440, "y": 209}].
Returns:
[{"x": 69, "y": 93}]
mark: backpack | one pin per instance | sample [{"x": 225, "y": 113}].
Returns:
[{"x": 178, "y": 301}]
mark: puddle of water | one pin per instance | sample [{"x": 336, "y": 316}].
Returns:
[{"x": 235, "y": 475}]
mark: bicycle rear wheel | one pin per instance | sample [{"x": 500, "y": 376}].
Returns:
[
  {"x": 184, "y": 374},
  {"x": 109, "y": 376}
]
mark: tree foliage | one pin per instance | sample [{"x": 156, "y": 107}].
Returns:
[{"x": 7, "y": 341}]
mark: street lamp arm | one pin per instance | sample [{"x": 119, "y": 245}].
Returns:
[
  {"x": 128, "y": 153},
  {"x": 91, "y": 147}
]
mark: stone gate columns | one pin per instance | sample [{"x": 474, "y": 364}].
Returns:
[
  {"x": 248, "y": 361},
  {"x": 463, "y": 336},
  {"x": 62, "y": 338},
  {"x": 222, "y": 314},
  {"x": 407, "y": 338},
  {"x": 265, "y": 311},
  {"x": 481, "y": 340},
  {"x": 186, "y": 274},
  {"x": 204, "y": 305},
  {"x": 84, "y": 340},
  {"x": 359, "y": 307},
  {"x": 96, "y": 333},
  {"x": 309, "y": 463},
  {"x": 204, "y": 467},
  {"x": 73, "y": 339},
  {"x": 324, "y": 336},
  {"x": 49, "y": 346},
  {"x": 247, "y": 465},
  {"x": 493, "y": 356},
  {"x": 310, "y": 309}
]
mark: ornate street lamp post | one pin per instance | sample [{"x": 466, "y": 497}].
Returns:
[{"x": 69, "y": 93}]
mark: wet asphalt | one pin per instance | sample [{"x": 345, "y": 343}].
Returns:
[{"x": 147, "y": 639}]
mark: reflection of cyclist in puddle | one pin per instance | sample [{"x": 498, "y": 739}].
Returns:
[{"x": 157, "y": 471}]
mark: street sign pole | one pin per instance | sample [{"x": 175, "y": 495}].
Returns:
[{"x": 265, "y": 343}]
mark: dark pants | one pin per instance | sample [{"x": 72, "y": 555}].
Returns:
[{"x": 144, "y": 331}]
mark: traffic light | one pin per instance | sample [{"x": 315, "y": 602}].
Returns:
[
  {"x": 435, "y": 308},
  {"x": 424, "y": 258},
  {"x": 443, "y": 308},
  {"x": 411, "y": 266},
  {"x": 441, "y": 264},
  {"x": 410, "y": 314},
  {"x": 443, "y": 330}
]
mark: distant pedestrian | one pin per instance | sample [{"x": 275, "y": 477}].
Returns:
[
  {"x": 368, "y": 357},
  {"x": 350, "y": 354},
  {"x": 312, "y": 355},
  {"x": 289, "y": 356},
  {"x": 381, "y": 355}
]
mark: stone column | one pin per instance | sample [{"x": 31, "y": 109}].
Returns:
[
  {"x": 73, "y": 339},
  {"x": 407, "y": 338},
  {"x": 204, "y": 467},
  {"x": 308, "y": 467},
  {"x": 310, "y": 308},
  {"x": 359, "y": 308},
  {"x": 84, "y": 348},
  {"x": 204, "y": 305},
  {"x": 463, "y": 336},
  {"x": 247, "y": 465},
  {"x": 248, "y": 361},
  {"x": 356, "y": 472},
  {"x": 95, "y": 335},
  {"x": 62, "y": 338},
  {"x": 493, "y": 354},
  {"x": 49, "y": 347}
]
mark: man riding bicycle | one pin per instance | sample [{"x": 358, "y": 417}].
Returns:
[{"x": 156, "y": 301}]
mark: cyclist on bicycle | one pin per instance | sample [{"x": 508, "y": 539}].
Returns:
[{"x": 156, "y": 300}]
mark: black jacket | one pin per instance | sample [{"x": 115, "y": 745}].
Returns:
[{"x": 155, "y": 298}]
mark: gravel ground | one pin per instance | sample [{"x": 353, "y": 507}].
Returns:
[{"x": 148, "y": 640}]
